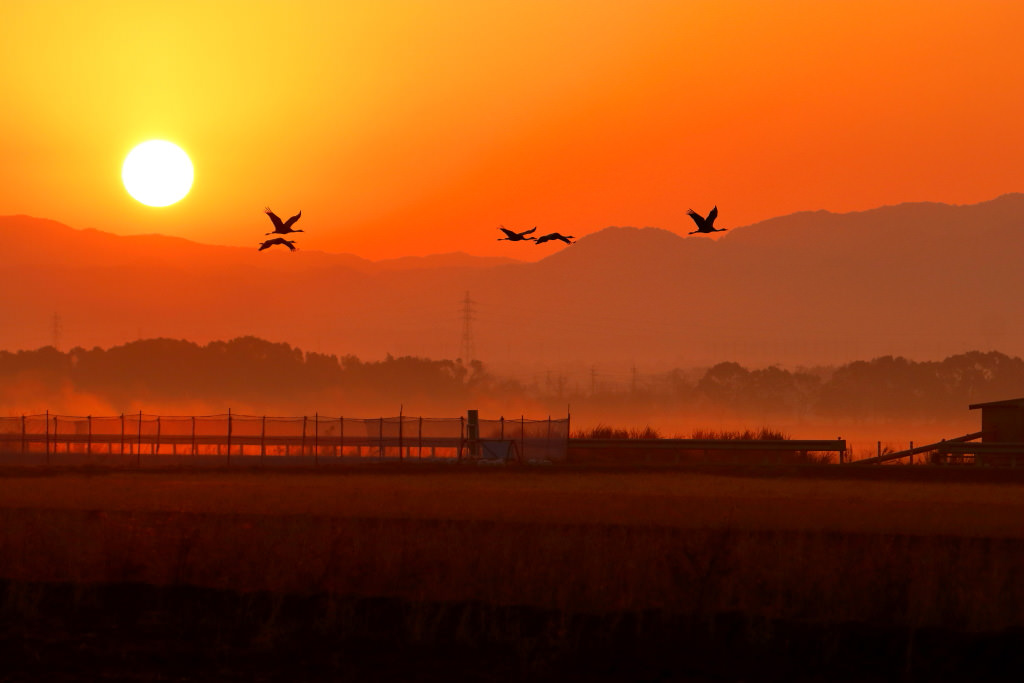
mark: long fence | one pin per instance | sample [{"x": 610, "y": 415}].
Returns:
[{"x": 144, "y": 440}]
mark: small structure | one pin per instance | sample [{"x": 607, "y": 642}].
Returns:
[
  {"x": 1001, "y": 421},
  {"x": 1000, "y": 443},
  {"x": 1002, "y": 437}
]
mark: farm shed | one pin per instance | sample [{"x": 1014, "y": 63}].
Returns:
[
  {"x": 1002, "y": 436},
  {"x": 1001, "y": 421},
  {"x": 1000, "y": 442}
]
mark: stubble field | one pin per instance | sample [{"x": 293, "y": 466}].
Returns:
[{"x": 521, "y": 572}]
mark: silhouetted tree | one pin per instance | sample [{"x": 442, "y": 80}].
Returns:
[
  {"x": 885, "y": 386},
  {"x": 259, "y": 372},
  {"x": 724, "y": 383},
  {"x": 46, "y": 367}
]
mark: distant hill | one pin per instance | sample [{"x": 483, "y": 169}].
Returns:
[
  {"x": 36, "y": 241},
  {"x": 922, "y": 280}
]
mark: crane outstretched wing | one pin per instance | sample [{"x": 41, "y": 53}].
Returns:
[
  {"x": 508, "y": 233},
  {"x": 712, "y": 216},
  {"x": 273, "y": 218},
  {"x": 697, "y": 218},
  {"x": 527, "y": 232},
  {"x": 291, "y": 221}
]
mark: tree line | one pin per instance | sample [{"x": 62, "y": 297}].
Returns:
[
  {"x": 883, "y": 387},
  {"x": 246, "y": 370},
  {"x": 276, "y": 375}
]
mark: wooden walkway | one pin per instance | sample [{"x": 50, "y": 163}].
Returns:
[{"x": 680, "y": 447}]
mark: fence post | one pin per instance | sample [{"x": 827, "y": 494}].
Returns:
[
  {"x": 193, "y": 435},
  {"x": 380, "y": 433},
  {"x": 547, "y": 444},
  {"x": 911, "y": 455},
  {"x": 229, "y": 437},
  {"x": 138, "y": 444},
  {"x": 473, "y": 432},
  {"x": 316, "y": 438},
  {"x": 401, "y": 455},
  {"x": 88, "y": 442},
  {"x": 47, "y": 436},
  {"x": 420, "y": 438},
  {"x": 462, "y": 436},
  {"x": 156, "y": 444},
  {"x": 302, "y": 443},
  {"x": 522, "y": 436},
  {"x": 263, "y": 439},
  {"x": 122, "y": 433},
  {"x": 341, "y": 436},
  {"x": 23, "y": 435}
]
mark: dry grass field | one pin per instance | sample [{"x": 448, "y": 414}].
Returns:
[
  {"x": 666, "y": 498},
  {"x": 531, "y": 557}
]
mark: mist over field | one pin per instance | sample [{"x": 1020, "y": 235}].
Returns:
[{"x": 888, "y": 399}]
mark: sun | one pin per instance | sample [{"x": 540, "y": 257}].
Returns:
[{"x": 157, "y": 173}]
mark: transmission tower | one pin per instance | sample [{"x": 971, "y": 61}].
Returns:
[{"x": 467, "y": 351}]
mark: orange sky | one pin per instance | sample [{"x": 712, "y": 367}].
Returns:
[{"x": 408, "y": 128}]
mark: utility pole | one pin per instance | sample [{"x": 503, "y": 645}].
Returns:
[{"x": 467, "y": 329}]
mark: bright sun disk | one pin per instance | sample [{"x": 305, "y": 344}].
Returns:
[{"x": 157, "y": 173}]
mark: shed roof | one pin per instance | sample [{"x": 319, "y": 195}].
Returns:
[{"x": 1008, "y": 403}]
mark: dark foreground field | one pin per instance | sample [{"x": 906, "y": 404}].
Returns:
[{"x": 540, "y": 574}]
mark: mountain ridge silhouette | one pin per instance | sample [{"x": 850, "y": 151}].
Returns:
[{"x": 923, "y": 280}]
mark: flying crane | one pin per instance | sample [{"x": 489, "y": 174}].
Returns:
[
  {"x": 705, "y": 225},
  {"x": 285, "y": 227},
  {"x": 278, "y": 240}
]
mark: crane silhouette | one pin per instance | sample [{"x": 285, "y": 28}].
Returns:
[
  {"x": 568, "y": 239},
  {"x": 705, "y": 225},
  {"x": 513, "y": 236},
  {"x": 285, "y": 227},
  {"x": 278, "y": 240}
]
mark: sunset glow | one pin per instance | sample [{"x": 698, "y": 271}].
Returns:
[
  {"x": 512, "y": 340},
  {"x": 157, "y": 173},
  {"x": 409, "y": 128}
]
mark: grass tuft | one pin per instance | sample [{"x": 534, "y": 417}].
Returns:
[
  {"x": 763, "y": 434},
  {"x": 603, "y": 431}
]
